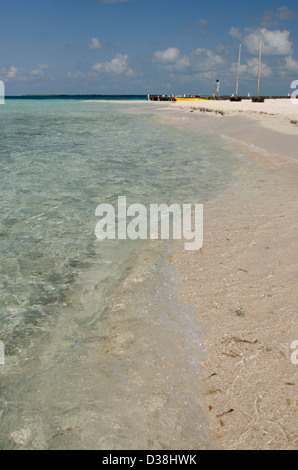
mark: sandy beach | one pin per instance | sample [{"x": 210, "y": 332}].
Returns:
[
  {"x": 275, "y": 114},
  {"x": 243, "y": 281},
  {"x": 121, "y": 346}
]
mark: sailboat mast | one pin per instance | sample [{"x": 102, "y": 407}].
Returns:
[
  {"x": 236, "y": 94},
  {"x": 259, "y": 71}
]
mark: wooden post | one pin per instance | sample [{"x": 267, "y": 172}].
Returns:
[
  {"x": 236, "y": 94},
  {"x": 259, "y": 71}
]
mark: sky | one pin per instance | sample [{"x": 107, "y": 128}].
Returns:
[{"x": 147, "y": 46}]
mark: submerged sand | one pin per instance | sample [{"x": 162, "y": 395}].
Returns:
[{"x": 243, "y": 281}]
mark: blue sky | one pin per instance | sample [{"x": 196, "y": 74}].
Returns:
[{"x": 146, "y": 46}]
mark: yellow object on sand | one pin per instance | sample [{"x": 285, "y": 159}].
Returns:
[{"x": 180, "y": 98}]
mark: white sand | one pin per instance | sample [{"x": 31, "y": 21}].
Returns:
[
  {"x": 243, "y": 283},
  {"x": 275, "y": 114}
]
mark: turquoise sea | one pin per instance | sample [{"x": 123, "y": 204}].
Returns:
[{"x": 100, "y": 353}]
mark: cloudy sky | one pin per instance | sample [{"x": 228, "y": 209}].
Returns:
[{"x": 146, "y": 46}]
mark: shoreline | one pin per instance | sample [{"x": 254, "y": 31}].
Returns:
[
  {"x": 242, "y": 283},
  {"x": 243, "y": 280},
  {"x": 270, "y": 127},
  {"x": 258, "y": 124}
]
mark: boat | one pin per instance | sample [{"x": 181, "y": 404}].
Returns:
[{"x": 191, "y": 98}]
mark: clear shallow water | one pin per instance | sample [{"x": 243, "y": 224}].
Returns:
[{"x": 100, "y": 353}]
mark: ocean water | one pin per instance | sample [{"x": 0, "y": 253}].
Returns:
[{"x": 100, "y": 353}]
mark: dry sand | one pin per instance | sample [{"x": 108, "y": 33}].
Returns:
[
  {"x": 244, "y": 286},
  {"x": 243, "y": 281},
  {"x": 275, "y": 114}
]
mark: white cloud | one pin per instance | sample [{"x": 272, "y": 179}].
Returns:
[
  {"x": 182, "y": 63},
  {"x": 284, "y": 13},
  {"x": 10, "y": 72},
  {"x": 94, "y": 44},
  {"x": 76, "y": 75},
  {"x": 291, "y": 64},
  {"x": 201, "y": 59},
  {"x": 251, "y": 68},
  {"x": 39, "y": 70},
  {"x": 201, "y": 25},
  {"x": 206, "y": 75},
  {"x": 274, "y": 42},
  {"x": 235, "y": 32},
  {"x": 118, "y": 65},
  {"x": 171, "y": 60},
  {"x": 15, "y": 73},
  {"x": 272, "y": 18},
  {"x": 167, "y": 56},
  {"x": 207, "y": 60}
]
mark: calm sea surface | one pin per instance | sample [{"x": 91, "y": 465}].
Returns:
[{"x": 99, "y": 351}]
